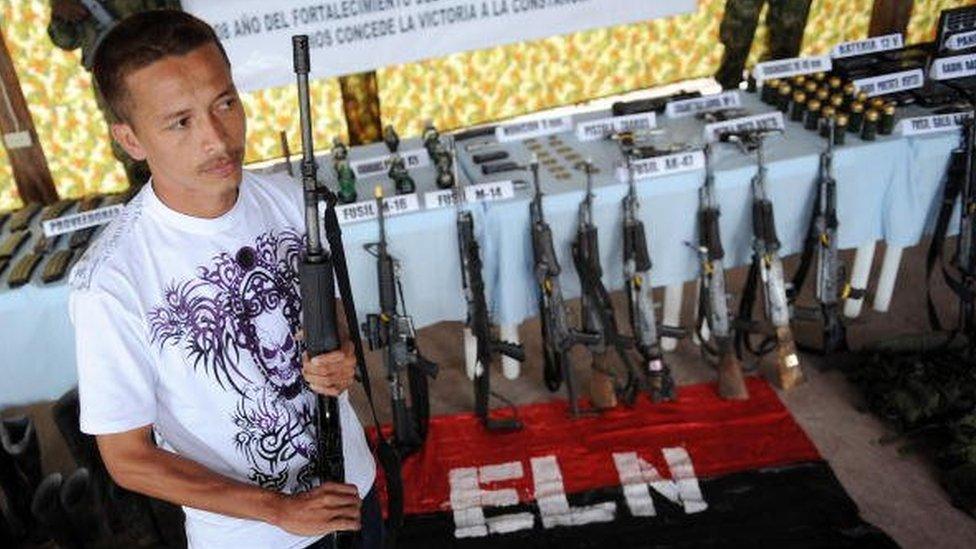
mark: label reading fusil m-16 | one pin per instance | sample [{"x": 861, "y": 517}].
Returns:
[
  {"x": 417, "y": 158},
  {"x": 785, "y": 68},
  {"x": 696, "y": 105},
  {"x": 362, "y": 211},
  {"x": 519, "y": 131},
  {"x": 891, "y": 83},
  {"x": 658, "y": 166},
  {"x": 935, "y": 123},
  {"x": 871, "y": 45},
  {"x": 766, "y": 121},
  {"x": 592, "y": 130}
]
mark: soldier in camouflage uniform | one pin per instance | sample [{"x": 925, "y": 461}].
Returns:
[
  {"x": 786, "y": 20},
  {"x": 73, "y": 26}
]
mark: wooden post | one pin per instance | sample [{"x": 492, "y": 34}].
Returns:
[
  {"x": 31, "y": 174},
  {"x": 890, "y": 16}
]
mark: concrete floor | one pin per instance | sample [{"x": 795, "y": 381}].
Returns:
[{"x": 898, "y": 493}]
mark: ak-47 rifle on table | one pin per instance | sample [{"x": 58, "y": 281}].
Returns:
[
  {"x": 713, "y": 304},
  {"x": 488, "y": 346},
  {"x": 597, "y": 312},
  {"x": 822, "y": 243},
  {"x": 637, "y": 277},
  {"x": 557, "y": 335},
  {"x": 767, "y": 270},
  {"x": 392, "y": 330}
]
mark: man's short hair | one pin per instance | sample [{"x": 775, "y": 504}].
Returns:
[{"x": 139, "y": 41}]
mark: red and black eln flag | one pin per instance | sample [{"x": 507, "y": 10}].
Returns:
[{"x": 697, "y": 472}]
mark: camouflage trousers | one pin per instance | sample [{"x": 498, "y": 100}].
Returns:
[{"x": 786, "y": 20}]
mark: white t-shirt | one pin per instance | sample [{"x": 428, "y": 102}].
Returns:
[{"x": 186, "y": 324}]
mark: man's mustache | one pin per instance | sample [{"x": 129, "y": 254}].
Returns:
[{"x": 235, "y": 156}]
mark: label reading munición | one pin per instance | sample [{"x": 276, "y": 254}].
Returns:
[
  {"x": 891, "y": 83},
  {"x": 961, "y": 41},
  {"x": 417, "y": 158},
  {"x": 766, "y": 121},
  {"x": 663, "y": 165},
  {"x": 362, "y": 211},
  {"x": 592, "y": 130},
  {"x": 871, "y": 45},
  {"x": 935, "y": 123},
  {"x": 957, "y": 66},
  {"x": 79, "y": 221},
  {"x": 785, "y": 68},
  {"x": 709, "y": 103},
  {"x": 519, "y": 131}
]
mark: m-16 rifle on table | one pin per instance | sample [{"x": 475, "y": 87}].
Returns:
[
  {"x": 392, "y": 330},
  {"x": 597, "y": 313},
  {"x": 637, "y": 278},
  {"x": 557, "y": 335},
  {"x": 488, "y": 346},
  {"x": 821, "y": 244},
  {"x": 713, "y": 304},
  {"x": 767, "y": 270}
]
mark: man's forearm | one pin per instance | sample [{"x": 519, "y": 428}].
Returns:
[{"x": 167, "y": 476}]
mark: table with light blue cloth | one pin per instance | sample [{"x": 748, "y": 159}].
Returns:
[{"x": 888, "y": 190}]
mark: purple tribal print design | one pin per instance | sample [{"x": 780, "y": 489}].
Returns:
[{"x": 242, "y": 310}]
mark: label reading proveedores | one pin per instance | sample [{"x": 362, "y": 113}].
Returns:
[
  {"x": 785, "y": 68},
  {"x": 871, "y": 45},
  {"x": 935, "y": 123},
  {"x": 957, "y": 66},
  {"x": 891, "y": 83},
  {"x": 519, "y": 131},
  {"x": 84, "y": 220},
  {"x": 766, "y": 121},
  {"x": 417, "y": 158},
  {"x": 663, "y": 165},
  {"x": 362, "y": 211},
  {"x": 708, "y": 103},
  {"x": 592, "y": 130}
]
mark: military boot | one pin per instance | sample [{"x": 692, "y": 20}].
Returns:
[
  {"x": 51, "y": 518},
  {"x": 20, "y": 468},
  {"x": 82, "y": 508}
]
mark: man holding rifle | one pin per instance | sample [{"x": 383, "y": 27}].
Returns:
[{"x": 187, "y": 311}]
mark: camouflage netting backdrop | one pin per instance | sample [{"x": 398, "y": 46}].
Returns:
[{"x": 454, "y": 91}]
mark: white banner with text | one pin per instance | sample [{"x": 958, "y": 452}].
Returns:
[{"x": 351, "y": 36}]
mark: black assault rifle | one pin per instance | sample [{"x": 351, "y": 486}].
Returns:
[
  {"x": 713, "y": 301},
  {"x": 637, "y": 276},
  {"x": 766, "y": 269},
  {"x": 822, "y": 242},
  {"x": 557, "y": 336},
  {"x": 489, "y": 347},
  {"x": 597, "y": 309},
  {"x": 392, "y": 330}
]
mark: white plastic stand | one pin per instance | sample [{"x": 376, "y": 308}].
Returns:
[
  {"x": 886, "y": 280},
  {"x": 470, "y": 353},
  {"x": 673, "y": 296},
  {"x": 510, "y": 367},
  {"x": 863, "y": 258}
]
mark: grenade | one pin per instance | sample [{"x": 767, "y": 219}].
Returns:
[
  {"x": 769, "y": 89},
  {"x": 798, "y": 107},
  {"x": 783, "y": 97},
  {"x": 813, "y": 115},
  {"x": 870, "y": 130},
  {"x": 887, "y": 124},
  {"x": 857, "y": 117},
  {"x": 840, "y": 129}
]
